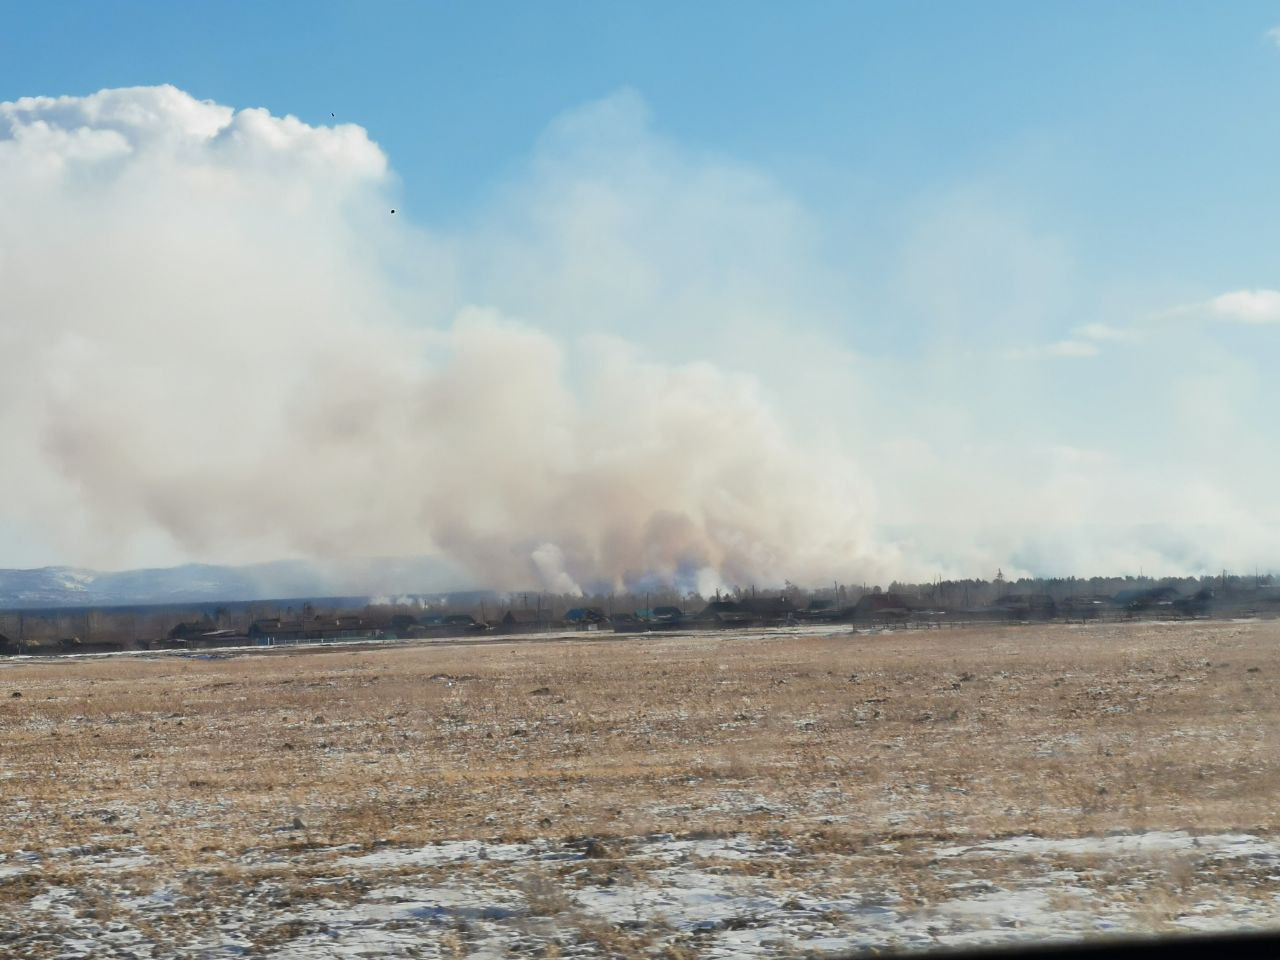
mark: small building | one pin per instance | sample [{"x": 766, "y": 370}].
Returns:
[
  {"x": 659, "y": 618},
  {"x": 31, "y": 647},
  {"x": 726, "y": 614},
  {"x": 882, "y": 608},
  {"x": 401, "y": 621},
  {"x": 771, "y": 611},
  {"x": 1085, "y": 608},
  {"x": 444, "y": 625},
  {"x": 585, "y": 618},
  {"x": 1150, "y": 601},
  {"x": 1199, "y": 604},
  {"x": 1025, "y": 606},
  {"x": 69, "y": 645},
  {"x": 526, "y": 621},
  {"x": 191, "y": 628},
  {"x": 273, "y": 630},
  {"x": 219, "y": 638},
  {"x": 820, "y": 610}
]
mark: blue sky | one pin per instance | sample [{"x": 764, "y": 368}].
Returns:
[
  {"x": 1113, "y": 111},
  {"x": 1007, "y": 228},
  {"x": 1138, "y": 131}
]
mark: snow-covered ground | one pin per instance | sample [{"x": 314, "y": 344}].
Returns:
[{"x": 659, "y": 895}]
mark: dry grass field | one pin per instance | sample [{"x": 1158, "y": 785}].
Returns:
[{"x": 778, "y": 793}]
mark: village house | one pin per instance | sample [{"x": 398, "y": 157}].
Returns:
[
  {"x": 820, "y": 610},
  {"x": 881, "y": 607},
  {"x": 442, "y": 625},
  {"x": 664, "y": 617},
  {"x": 526, "y": 621},
  {"x": 668, "y": 614},
  {"x": 585, "y": 618},
  {"x": 770, "y": 611},
  {"x": 273, "y": 630},
  {"x": 726, "y": 613},
  {"x": 1024, "y": 606}
]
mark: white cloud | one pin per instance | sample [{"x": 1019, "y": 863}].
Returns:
[
  {"x": 1084, "y": 342},
  {"x": 1248, "y": 306},
  {"x": 1102, "y": 331},
  {"x": 1059, "y": 348},
  {"x": 1071, "y": 348},
  {"x": 1273, "y": 35}
]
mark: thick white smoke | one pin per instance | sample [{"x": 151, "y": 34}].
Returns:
[
  {"x": 628, "y": 364},
  {"x": 220, "y": 344}
]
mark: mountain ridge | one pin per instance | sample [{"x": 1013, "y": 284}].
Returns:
[{"x": 64, "y": 586}]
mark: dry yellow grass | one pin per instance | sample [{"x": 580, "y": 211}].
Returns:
[
  {"x": 180, "y": 801},
  {"x": 1057, "y": 730}
]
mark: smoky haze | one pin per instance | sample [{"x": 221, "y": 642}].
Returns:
[{"x": 222, "y": 346}]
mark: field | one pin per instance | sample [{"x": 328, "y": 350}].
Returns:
[{"x": 784, "y": 793}]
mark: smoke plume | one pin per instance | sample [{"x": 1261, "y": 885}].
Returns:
[{"x": 222, "y": 346}]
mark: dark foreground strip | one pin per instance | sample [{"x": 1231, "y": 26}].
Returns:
[{"x": 1247, "y": 946}]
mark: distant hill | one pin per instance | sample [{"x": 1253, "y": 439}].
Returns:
[{"x": 76, "y": 586}]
